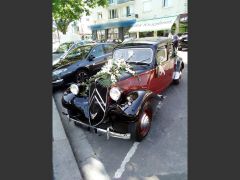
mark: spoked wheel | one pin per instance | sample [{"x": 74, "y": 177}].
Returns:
[
  {"x": 141, "y": 127},
  {"x": 81, "y": 76}
]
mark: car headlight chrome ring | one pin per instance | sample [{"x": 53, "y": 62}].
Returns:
[
  {"x": 115, "y": 93},
  {"x": 74, "y": 89}
]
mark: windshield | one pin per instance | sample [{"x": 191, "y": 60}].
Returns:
[
  {"x": 79, "y": 52},
  {"x": 134, "y": 55},
  {"x": 63, "y": 47}
]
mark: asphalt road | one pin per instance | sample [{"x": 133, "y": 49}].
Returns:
[{"x": 161, "y": 155}]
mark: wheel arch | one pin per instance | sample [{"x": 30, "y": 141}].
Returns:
[{"x": 144, "y": 98}]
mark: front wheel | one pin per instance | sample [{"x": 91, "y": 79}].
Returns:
[
  {"x": 81, "y": 76},
  {"x": 141, "y": 127}
]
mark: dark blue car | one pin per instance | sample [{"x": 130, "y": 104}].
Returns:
[{"x": 80, "y": 63}]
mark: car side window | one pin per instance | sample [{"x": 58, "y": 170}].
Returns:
[
  {"x": 97, "y": 51},
  {"x": 161, "y": 55},
  {"x": 108, "y": 48},
  {"x": 78, "y": 53},
  {"x": 170, "y": 50}
]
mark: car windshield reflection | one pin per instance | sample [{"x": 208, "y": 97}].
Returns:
[
  {"x": 63, "y": 48},
  {"x": 78, "y": 53},
  {"x": 134, "y": 55}
]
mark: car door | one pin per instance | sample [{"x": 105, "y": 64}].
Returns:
[
  {"x": 170, "y": 64},
  {"x": 99, "y": 58},
  {"x": 160, "y": 77}
]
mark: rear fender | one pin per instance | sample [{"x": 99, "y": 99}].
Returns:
[{"x": 179, "y": 65}]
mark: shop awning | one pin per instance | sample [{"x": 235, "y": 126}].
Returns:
[
  {"x": 116, "y": 24},
  {"x": 164, "y": 23}
]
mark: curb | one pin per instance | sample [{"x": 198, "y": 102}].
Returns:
[
  {"x": 64, "y": 163},
  {"x": 90, "y": 166}
]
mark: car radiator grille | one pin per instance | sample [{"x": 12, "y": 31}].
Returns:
[{"x": 98, "y": 98}]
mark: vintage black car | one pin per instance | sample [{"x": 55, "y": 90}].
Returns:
[
  {"x": 81, "y": 62},
  {"x": 125, "y": 110},
  {"x": 183, "y": 42}
]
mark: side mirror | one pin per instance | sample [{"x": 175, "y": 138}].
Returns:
[{"x": 91, "y": 57}]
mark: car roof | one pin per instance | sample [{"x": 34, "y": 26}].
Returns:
[
  {"x": 89, "y": 44},
  {"x": 147, "y": 41}
]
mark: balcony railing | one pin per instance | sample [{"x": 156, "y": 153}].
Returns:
[
  {"x": 123, "y": 1},
  {"x": 111, "y": 2}
]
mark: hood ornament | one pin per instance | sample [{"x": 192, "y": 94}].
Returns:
[{"x": 93, "y": 115}]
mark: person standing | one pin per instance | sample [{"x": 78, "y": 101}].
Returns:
[{"x": 175, "y": 42}]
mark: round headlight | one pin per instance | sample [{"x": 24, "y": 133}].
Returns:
[
  {"x": 115, "y": 93},
  {"x": 74, "y": 89}
]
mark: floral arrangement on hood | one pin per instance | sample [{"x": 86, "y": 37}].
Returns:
[{"x": 110, "y": 73}]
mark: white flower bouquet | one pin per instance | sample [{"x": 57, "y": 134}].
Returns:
[{"x": 109, "y": 74}]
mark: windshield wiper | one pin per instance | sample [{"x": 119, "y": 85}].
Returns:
[{"x": 139, "y": 62}]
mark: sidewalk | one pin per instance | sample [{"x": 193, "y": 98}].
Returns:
[
  {"x": 67, "y": 161},
  {"x": 64, "y": 163}
]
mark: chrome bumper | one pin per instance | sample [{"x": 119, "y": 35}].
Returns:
[
  {"x": 57, "y": 81},
  {"x": 108, "y": 131}
]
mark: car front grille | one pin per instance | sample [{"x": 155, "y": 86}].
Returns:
[{"x": 98, "y": 96}]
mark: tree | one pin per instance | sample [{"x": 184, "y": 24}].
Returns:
[{"x": 66, "y": 11}]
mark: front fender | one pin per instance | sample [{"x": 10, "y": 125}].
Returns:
[
  {"x": 142, "y": 98},
  {"x": 76, "y": 104}
]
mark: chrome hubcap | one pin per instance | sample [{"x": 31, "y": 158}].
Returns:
[{"x": 145, "y": 124}]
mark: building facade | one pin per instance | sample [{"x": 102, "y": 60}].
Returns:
[
  {"x": 139, "y": 18},
  {"x": 114, "y": 21}
]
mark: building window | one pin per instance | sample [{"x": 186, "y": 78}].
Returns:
[
  {"x": 128, "y": 11},
  {"x": 113, "y": 33},
  {"x": 101, "y": 35},
  {"x": 147, "y": 6},
  {"x": 146, "y": 34},
  {"x": 160, "y": 33},
  {"x": 113, "y": 14},
  {"x": 99, "y": 15},
  {"x": 111, "y": 1},
  {"x": 167, "y": 3}
]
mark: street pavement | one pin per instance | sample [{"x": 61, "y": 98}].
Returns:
[{"x": 161, "y": 155}]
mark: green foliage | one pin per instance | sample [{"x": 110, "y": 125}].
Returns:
[
  {"x": 183, "y": 27},
  {"x": 66, "y": 11}
]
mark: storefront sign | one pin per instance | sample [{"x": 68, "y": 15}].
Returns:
[{"x": 153, "y": 24}]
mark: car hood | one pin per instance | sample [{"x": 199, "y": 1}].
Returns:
[
  {"x": 138, "y": 70},
  {"x": 128, "y": 82}
]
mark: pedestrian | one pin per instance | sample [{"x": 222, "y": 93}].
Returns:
[{"x": 175, "y": 42}]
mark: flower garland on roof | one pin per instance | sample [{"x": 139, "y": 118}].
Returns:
[{"x": 109, "y": 73}]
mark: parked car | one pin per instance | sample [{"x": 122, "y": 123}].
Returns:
[
  {"x": 125, "y": 110},
  {"x": 183, "y": 42},
  {"x": 63, "y": 48},
  {"x": 81, "y": 62}
]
